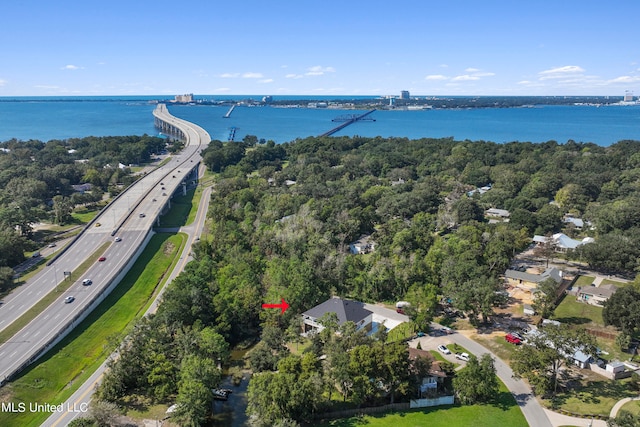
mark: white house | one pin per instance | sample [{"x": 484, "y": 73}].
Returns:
[
  {"x": 346, "y": 310},
  {"x": 363, "y": 245}
]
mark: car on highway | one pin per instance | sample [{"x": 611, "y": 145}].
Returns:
[
  {"x": 443, "y": 349},
  {"x": 118, "y": 239},
  {"x": 98, "y": 224},
  {"x": 87, "y": 282},
  {"x": 51, "y": 245},
  {"x": 164, "y": 194},
  {"x": 69, "y": 299},
  {"x": 142, "y": 215},
  {"x": 102, "y": 258},
  {"x": 513, "y": 339},
  {"x": 463, "y": 356}
]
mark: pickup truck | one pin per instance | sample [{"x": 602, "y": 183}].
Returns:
[{"x": 463, "y": 356}]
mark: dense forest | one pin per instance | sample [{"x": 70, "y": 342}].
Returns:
[
  {"x": 37, "y": 179},
  {"x": 281, "y": 221}
]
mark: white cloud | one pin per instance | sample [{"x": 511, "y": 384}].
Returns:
[
  {"x": 465, "y": 77},
  {"x": 294, "y": 76},
  {"x": 625, "y": 79},
  {"x": 229, "y": 75},
  {"x": 266, "y": 81},
  {"x": 319, "y": 70},
  {"x": 436, "y": 77},
  {"x": 2, "y": 82},
  {"x": 47, "y": 87},
  {"x": 472, "y": 70},
  {"x": 71, "y": 67},
  {"x": 560, "y": 72},
  {"x": 252, "y": 76}
]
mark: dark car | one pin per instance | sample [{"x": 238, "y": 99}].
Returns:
[{"x": 102, "y": 258}]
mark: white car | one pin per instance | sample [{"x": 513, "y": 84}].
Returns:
[
  {"x": 443, "y": 349},
  {"x": 69, "y": 299},
  {"x": 118, "y": 239},
  {"x": 462, "y": 356},
  {"x": 86, "y": 282}
]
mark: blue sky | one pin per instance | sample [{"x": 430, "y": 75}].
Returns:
[{"x": 324, "y": 47}]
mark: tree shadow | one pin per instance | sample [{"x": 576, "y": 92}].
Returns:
[{"x": 574, "y": 320}]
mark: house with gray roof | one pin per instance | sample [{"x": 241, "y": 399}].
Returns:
[
  {"x": 596, "y": 295},
  {"x": 523, "y": 278},
  {"x": 346, "y": 310}
]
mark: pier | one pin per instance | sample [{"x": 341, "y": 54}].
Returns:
[
  {"x": 226, "y": 116},
  {"x": 347, "y": 121},
  {"x": 232, "y": 133}
]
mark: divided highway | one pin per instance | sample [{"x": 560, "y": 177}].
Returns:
[{"x": 125, "y": 226}]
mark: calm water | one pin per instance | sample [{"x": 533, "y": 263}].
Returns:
[{"x": 49, "y": 118}]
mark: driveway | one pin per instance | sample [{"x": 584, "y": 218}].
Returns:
[{"x": 389, "y": 317}]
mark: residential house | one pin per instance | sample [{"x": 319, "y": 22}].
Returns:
[
  {"x": 596, "y": 295},
  {"x": 363, "y": 245},
  {"x": 562, "y": 242},
  {"x": 498, "y": 213},
  {"x": 435, "y": 377},
  {"x": 530, "y": 280},
  {"x": 346, "y": 310}
]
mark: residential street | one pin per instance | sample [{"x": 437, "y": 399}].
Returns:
[{"x": 534, "y": 413}]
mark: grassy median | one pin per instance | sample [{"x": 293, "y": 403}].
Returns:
[{"x": 63, "y": 369}]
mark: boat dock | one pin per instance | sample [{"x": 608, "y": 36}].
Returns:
[{"x": 347, "y": 121}]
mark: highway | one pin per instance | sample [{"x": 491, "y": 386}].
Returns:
[
  {"x": 82, "y": 397},
  {"x": 129, "y": 217}
]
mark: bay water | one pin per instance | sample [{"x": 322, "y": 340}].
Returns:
[{"x": 46, "y": 119}]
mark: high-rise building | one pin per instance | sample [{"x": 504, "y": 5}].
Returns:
[
  {"x": 404, "y": 94},
  {"x": 628, "y": 96}
]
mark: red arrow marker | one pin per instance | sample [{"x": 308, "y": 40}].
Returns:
[{"x": 283, "y": 306}]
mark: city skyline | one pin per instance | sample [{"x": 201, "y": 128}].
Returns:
[{"x": 327, "y": 48}]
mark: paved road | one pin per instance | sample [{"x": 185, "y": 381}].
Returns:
[
  {"x": 130, "y": 217},
  {"x": 82, "y": 397},
  {"x": 533, "y": 412}
]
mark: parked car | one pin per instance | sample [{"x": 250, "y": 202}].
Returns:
[
  {"x": 463, "y": 356},
  {"x": 443, "y": 349},
  {"x": 87, "y": 282},
  {"x": 69, "y": 299},
  {"x": 513, "y": 339}
]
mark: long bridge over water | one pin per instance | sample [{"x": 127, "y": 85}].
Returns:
[{"x": 347, "y": 122}]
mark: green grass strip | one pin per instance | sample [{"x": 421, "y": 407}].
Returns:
[
  {"x": 55, "y": 377},
  {"x": 503, "y": 411},
  {"x": 22, "y": 321}
]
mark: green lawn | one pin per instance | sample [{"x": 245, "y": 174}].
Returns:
[
  {"x": 594, "y": 397},
  {"x": 183, "y": 209},
  {"x": 633, "y": 407},
  {"x": 502, "y": 412},
  {"x": 577, "y": 313},
  {"x": 583, "y": 281},
  {"x": 58, "y": 374}
]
